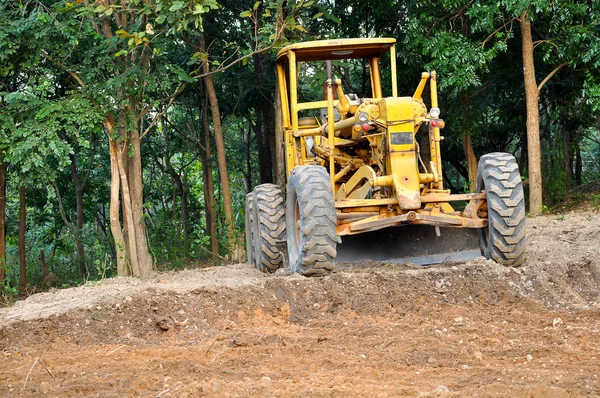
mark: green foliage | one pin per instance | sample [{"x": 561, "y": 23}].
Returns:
[
  {"x": 596, "y": 200},
  {"x": 546, "y": 210},
  {"x": 8, "y": 294},
  {"x": 62, "y": 72}
]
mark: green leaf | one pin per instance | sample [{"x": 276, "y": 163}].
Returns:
[
  {"x": 100, "y": 9},
  {"x": 245, "y": 14},
  {"x": 108, "y": 11},
  {"x": 256, "y": 5},
  {"x": 122, "y": 34},
  {"x": 177, "y": 5}
]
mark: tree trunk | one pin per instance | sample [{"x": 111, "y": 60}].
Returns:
[
  {"x": 185, "y": 213},
  {"x": 265, "y": 115},
  {"x": 79, "y": 224},
  {"x": 471, "y": 159},
  {"x": 221, "y": 156},
  {"x": 2, "y": 219},
  {"x": 567, "y": 155},
  {"x": 180, "y": 190},
  {"x": 264, "y": 151},
  {"x": 523, "y": 146},
  {"x": 49, "y": 279},
  {"x": 22, "y": 224},
  {"x": 533, "y": 122},
  {"x": 209, "y": 192},
  {"x": 136, "y": 189},
  {"x": 467, "y": 143},
  {"x": 248, "y": 173},
  {"x": 123, "y": 267},
  {"x": 578, "y": 165},
  {"x": 44, "y": 263},
  {"x": 128, "y": 216}
]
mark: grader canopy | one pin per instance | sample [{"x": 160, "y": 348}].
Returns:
[{"x": 369, "y": 164}]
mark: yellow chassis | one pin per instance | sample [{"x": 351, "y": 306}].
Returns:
[
  {"x": 412, "y": 203},
  {"x": 364, "y": 215}
]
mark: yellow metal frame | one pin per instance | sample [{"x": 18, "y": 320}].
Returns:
[{"x": 399, "y": 117}]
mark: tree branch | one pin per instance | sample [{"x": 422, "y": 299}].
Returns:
[
  {"x": 162, "y": 113},
  {"x": 62, "y": 210},
  {"x": 496, "y": 31},
  {"x": 488, "y": 84},
  {"x": 62, "y": 66},
  {"x": 170, "y": 98},
  {"x": 559, "y": 67},
  {"x": 257, "y": 51}
]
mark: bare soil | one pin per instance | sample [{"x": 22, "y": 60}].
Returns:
[{"x": 472, "y": 329}]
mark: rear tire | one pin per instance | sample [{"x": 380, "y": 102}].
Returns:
[
  {"x": 249, "y": 221},
  {"x": 504, "y": 238},
  {"x": 311, "y": 221},
  {"x": 269, "y": 227}
]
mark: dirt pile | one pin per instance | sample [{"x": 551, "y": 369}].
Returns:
[{"x": 370, "y": 329}]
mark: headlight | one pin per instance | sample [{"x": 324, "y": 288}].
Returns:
[
  {"x": 435, "y": 112},
  {"x": 363, "y": 116}
]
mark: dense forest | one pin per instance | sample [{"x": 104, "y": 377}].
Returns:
[{"x": 131, "y": 130}]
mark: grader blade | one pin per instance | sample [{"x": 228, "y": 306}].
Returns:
[{"x": 416, "y": 244}]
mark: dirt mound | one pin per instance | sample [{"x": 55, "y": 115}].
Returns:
[{"x": 370, "y": 329}]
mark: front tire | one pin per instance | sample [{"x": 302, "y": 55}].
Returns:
[
  {"x": 269, "y": 227},
  {"x": 504, "y": 239},
  {"x": 310, "y": 221}
]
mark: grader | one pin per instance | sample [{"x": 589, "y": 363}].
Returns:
[{"x": 355, "y": 165}]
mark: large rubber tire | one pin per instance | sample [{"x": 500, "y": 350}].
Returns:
[
  {"x": 311, "y": 221},
  {"x": 249, "y": 221},
  {"x": 269, "y": 227},
  {"x": 504, "y": 239}
]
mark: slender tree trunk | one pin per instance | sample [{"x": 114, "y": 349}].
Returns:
[
  {"x": 184, "y": 213},
  {"x": 248, "y": 173},
  {"x": 578, "y": 165},
  {"x": 523, "y": 146},
  {"x": 268, "y": 116},
  {"x": 265, "y": 115},
  {"x": 179, "y": 190},
  {"x": 137, "y": 207},
  {"x": 22, "y": 259},
  {"x": 122, "y": 162},
  {"x": 264, "y": 154},
  {"x": 128, "y": 215},
  {"x": 533, "y": 121},
  {"x": 2, "y": 219},
  {"x": 44, "y": 263},
  {"x": 123, "y": 267},
  {"x": 221, "y": 156},
  {"x": 567, "y": 155},
  {"x": 209, "y": 192},
  {"x": 471, "y": 159},
  {"x": 79, "y": 223},
  {"x": 468, "y": 145}
]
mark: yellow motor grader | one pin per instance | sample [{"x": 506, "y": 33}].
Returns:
[{"x": 368, "y": 165}]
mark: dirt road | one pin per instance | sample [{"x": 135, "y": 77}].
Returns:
[{"x": 370, "y": 329}]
